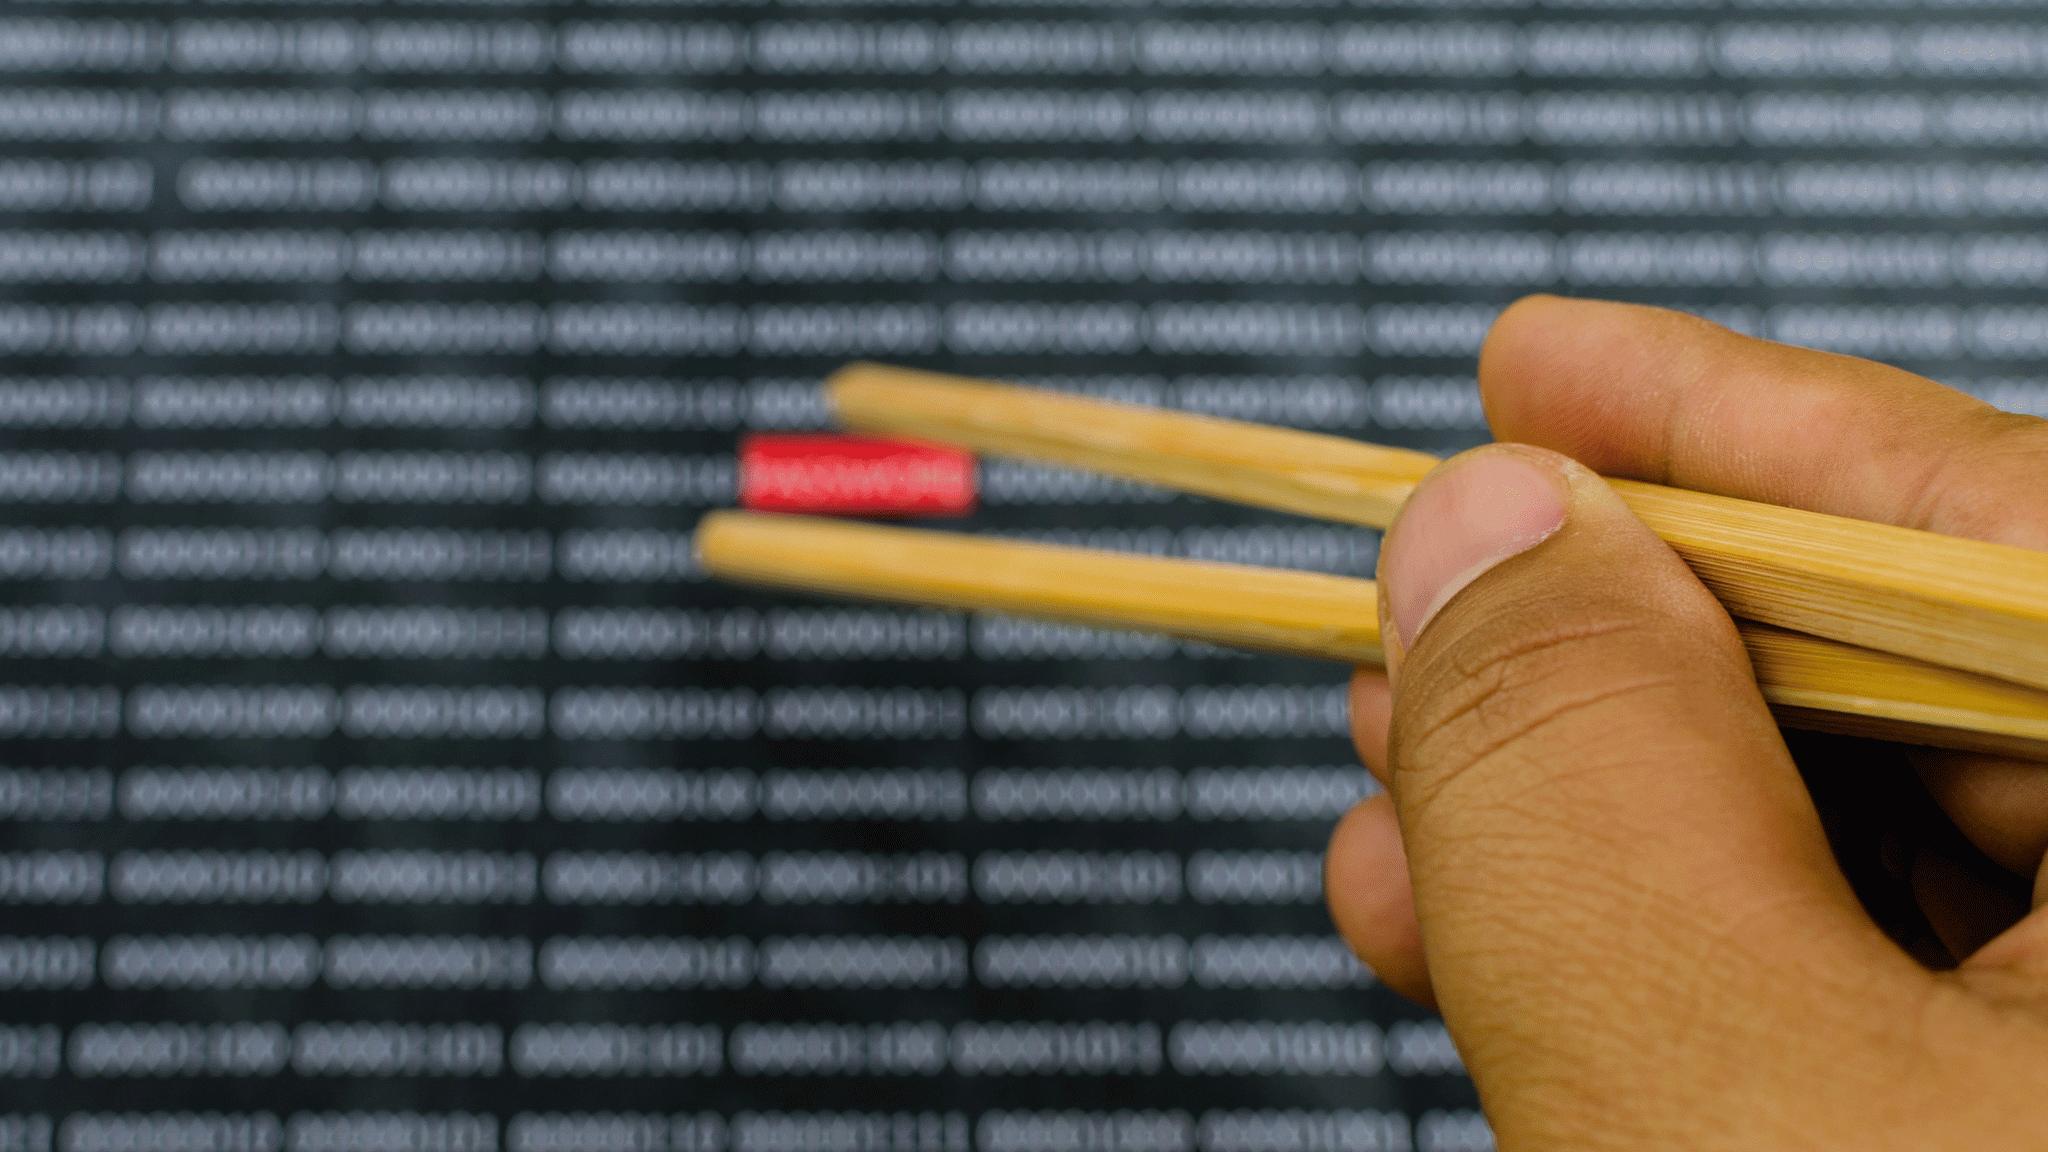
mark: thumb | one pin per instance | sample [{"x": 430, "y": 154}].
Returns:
[{"x": 1624, "y": 892}]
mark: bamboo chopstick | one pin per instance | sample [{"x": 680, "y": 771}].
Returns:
[
  {"x": 1960, "y": 603},
  {"x": 1809, "y": 682}
]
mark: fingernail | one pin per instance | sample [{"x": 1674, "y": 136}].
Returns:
[{"x": 1464, "y": 518}]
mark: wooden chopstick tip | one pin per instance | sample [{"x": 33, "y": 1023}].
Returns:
[
  {"x": 854, "y": 370},
  {"x": 865, "y": 392},
  {"x": 708, "y": 542},
  {"x": 851, "y": 378}
]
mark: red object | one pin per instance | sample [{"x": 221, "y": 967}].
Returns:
[{"x": 854, "y": 475}]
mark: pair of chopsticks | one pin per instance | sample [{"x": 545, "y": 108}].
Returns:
[{"x": 1851, "y": 626}]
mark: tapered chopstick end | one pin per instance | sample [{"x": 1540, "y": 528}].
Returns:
[
  {"x": 845, "y": 386},
  {"x": 717, "y": 533}
]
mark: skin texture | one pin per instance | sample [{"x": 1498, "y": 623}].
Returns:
[{"x": 1647, "y": 922}]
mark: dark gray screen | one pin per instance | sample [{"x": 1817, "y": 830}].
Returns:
[{"x": 377, "y": 772}]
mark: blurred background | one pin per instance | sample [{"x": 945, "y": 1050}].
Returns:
[{"x": 376, "y": 771}]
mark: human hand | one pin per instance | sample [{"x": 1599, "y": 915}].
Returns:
[{"x": 1596, "y": 853}]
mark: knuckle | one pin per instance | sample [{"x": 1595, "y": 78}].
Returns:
[{"x": 1988, "y": 488}]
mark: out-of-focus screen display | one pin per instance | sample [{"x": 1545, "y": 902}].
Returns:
[{"x": 378, "y": 773}]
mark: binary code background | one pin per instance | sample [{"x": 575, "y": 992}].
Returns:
[{"x": 378, "y": 774}]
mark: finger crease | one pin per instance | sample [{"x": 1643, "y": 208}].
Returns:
[{"x": 1494, "y": 744}]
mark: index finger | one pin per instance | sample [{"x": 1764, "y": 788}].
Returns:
[
  {"x": 1663, "y": 396},
  {"x": 1658, "y": 395}
]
